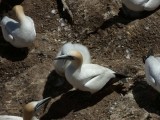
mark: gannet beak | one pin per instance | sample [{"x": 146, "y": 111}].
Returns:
[
  {"x": 150, "y": 53},
  {"x": 66, "y": 57},
  {"x": 41, "y": 103}
]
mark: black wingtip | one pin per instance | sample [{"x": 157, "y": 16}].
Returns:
[
  {"x": 120, "y": 76},
  {"x": 150, "y": 53}
]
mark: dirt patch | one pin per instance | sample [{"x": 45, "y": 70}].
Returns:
[{"x": 114, "y": 42}]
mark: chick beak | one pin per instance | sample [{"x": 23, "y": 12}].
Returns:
[
  {"x": 64, "y": 57},
  {"x": 41, "y": 103}
]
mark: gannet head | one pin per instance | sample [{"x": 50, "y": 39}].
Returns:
[
  {"x": 32, "y": 107},
  {"x": 74, "y": 56},
  {"x": 150, "y": 53},
  {"x": 18, "y": 9}
]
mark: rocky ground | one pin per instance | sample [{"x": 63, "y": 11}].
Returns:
[{"x": 114, "y": 42}]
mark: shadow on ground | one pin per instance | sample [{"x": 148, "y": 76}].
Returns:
[
  {"x": 145, "y": 96},
  {"x": 64, "y": 12},
  {"x": 132, "y": 15},
  {"x": 122, "y": 19},
  {"x": 11, "y": 53},
  {"x": 7, "y": 5},
  {"x": 76, "y": 100},
  {"x": 55, "y": 85}
]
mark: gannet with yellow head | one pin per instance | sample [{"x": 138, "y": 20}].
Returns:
[
  {"x": 19, "y": 33},
  {"x": 152, "y": 70},
  {"x": 86, "y": 77},
  {"x": 28, "y": 111}
]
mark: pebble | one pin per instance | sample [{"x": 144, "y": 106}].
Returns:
[
  {"x": 115, "y": 103},
  {"x": 129, "y": 95},
  {"x": 63, "y": 42},
  {"x": 146, "y": 28},
  {"x": 145, "y": 116},
  {"x": 53, "y": 12},
  {"x": 45, "y": 38},
  {"x": 48, "y": 16},
  {"x": 62, "y": 22},
  {"x": 112, "y": 108},
  {"x": 128, "y": 55},
  {"x": 59, "y": 29}
]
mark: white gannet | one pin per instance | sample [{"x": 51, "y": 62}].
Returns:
[
  {"x": 141, "y": 5},
  {"x": 20, "y": 34},
  {"x": 134, "y": 8},
  {"x": 28, "y": 111},
  {"x": 152, "y": 70},
  {"x": 60, "y": 65},
  {"x": 86, "y": 77}
]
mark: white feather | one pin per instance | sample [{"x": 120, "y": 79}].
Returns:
[
  {"x": 7, "y": 117},
  {"x": 18, "y": 34},
  {"x": 89, "y": 77},
  {"x": 141, "y": 5},
  {"x": 151, "y": 5},
  {"x": 152, "y": 72}
]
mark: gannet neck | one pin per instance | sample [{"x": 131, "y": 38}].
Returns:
[
  {"x": 28, "y": 111},
  {"x": 18, "y": 9}
]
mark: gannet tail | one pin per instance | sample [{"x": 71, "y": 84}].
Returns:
[
  {"x": 150, "y": 53},
  {"x": 120, "y": 76}
]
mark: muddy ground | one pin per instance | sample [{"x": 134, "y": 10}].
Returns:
[{"x": 113, "y": 41}]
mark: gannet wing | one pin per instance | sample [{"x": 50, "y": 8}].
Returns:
[
  {"x": 7, "y": 36},
  {"x": 158, "y": 58},
  {"x": 7, "y": 33},
  {"x": 151, "y": 80},
  {"x": 7, "y": 117},
  {"x": 98, "y": 82},
  {"x": 89, "y": 71},
  {"x": 9, "y": 26},
  {"x": 154, "y": 77},
  {"x": 151, "y": 5}
]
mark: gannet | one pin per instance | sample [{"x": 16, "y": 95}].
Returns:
[
  {"x": 152, "y": 70},
  {"x": 20, "y": 34},
  {"x": 28, "y": 111},
  {"x": 136, "y": 7},
  {"x": 86, "y": 77},
  {"x": 60, "y": 65}
]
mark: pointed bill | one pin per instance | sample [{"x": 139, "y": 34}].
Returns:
[
  {"x": 64, "y": 57},
  {"x": 42, "y": 102}
]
